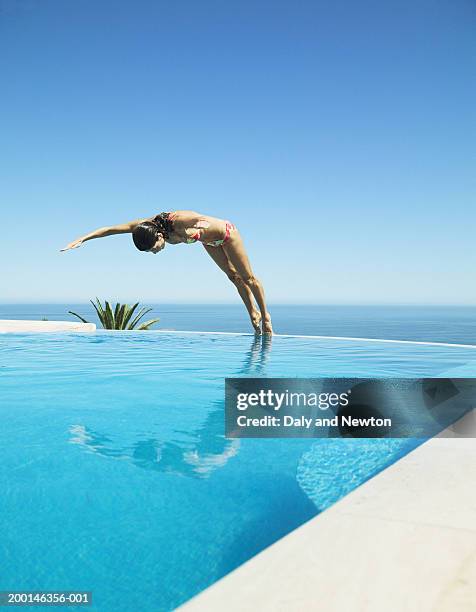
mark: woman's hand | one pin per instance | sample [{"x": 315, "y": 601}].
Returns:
[{"x": 73, "y": 245}]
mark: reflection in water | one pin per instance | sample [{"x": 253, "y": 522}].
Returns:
[
  {"x": 257, "y": 357},
  {"x": 210, "y": 451}
]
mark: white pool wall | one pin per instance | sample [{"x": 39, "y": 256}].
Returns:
[{"x": 22, "y": 326}]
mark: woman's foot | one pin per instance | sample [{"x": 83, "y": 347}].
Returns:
[
  {"x": 267, "y": 325},
  {"x": 255, "y": 321}
]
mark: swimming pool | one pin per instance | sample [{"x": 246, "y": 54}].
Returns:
[{"x": 116, "y": 477}]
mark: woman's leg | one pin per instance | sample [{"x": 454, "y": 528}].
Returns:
[
  {"x": 219, "y": 257},
  {"x": 236, "y": 253}
]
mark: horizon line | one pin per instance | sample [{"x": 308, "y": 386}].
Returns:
[{"x": 228, "y": 303}]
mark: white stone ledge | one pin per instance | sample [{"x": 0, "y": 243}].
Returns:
[{"x": 12, "y": 326}]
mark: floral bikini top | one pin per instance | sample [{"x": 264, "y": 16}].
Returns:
[{"x": 204, "y": 224}]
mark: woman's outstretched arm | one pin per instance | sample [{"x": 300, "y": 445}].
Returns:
[{"x": 102, "y": 232}]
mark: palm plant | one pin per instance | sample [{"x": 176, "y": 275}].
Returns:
[{"x": 121, "y": 317}]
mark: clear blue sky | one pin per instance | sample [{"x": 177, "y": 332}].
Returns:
[{"x": 338, "y": 135}]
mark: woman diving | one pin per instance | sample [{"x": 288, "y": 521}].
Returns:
[{"x": 221, "y": 240}]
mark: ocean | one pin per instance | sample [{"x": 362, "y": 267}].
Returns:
[{"x": 453, "y": 324}]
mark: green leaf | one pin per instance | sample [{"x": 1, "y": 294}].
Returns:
[
  {"x": 147, "y": 324},
  {"x": 109, "y": 316},
  {"x": 142, "y": 312},
  {"x": 127, "y": 318},
  {"x": 120, "y": 316},
  {"x": 100, "y": 312},
  {"x": 116, "y": 312},
  {"x": 75, "y": 315}
]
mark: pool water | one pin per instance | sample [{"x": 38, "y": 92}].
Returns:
[{"x": 117, "y": 479}]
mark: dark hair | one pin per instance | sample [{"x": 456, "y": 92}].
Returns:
[{"x": 146, "y": 234}]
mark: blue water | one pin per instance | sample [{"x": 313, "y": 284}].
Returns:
[
  {"x": 116, "y": 476},
  {"x": 456, "y": 324}
]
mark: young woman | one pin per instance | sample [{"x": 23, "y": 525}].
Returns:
[{"x": 221, "y": 239}]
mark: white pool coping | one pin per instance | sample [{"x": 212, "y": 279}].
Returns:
[
  {"x": 356, "y": 339},
  {"x": 23, "y": 326},
  {"x": 405, "y": 541}
]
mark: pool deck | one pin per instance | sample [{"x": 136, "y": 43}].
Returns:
[
  {"x": 14, "y": 327},
  {"x": 405, "y": 541}
]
